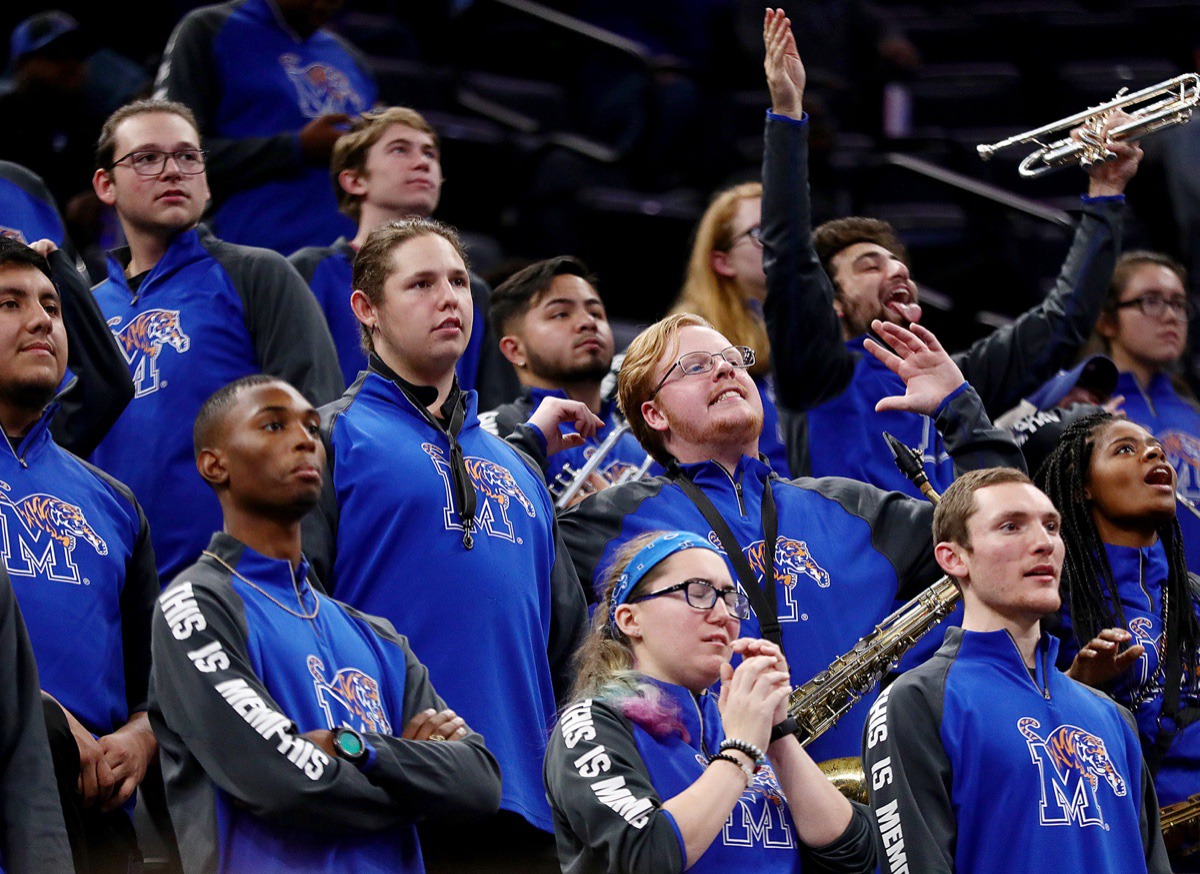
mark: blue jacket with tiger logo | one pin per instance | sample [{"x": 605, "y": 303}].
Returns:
[
  {"x": 492, "y": 605},
  {"x": 978, "y": 763}
]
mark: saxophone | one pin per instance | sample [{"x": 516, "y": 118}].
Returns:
[
  {"x": 822, "y": 701},
  {"x": 1181, "y": 827}
]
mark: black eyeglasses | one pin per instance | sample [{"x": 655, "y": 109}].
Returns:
[
  {"x": 151, "y": 162},
  {"x": 1154, "y": 305},
  {"x": 695, "y": 363},
  {"x": 703, "y": 596},
  {"x": 754, "y": 232}
]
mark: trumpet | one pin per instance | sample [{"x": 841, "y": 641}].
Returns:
[
  {"x": 1150, "y": 110},
  {"x": 569, "y": 483}
]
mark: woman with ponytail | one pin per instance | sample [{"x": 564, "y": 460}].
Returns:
[
  {"x": 649, "y": 770},
  {"x": 1125, "y": 579}
]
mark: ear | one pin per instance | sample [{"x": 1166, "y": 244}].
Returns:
[
  {"x": 211, "y": 464},
  {"x": 837, "y": 308},
  {"x": 654, "y": 417},
  {"x": 363, "y": 309},
  {"x": 512, "y": 348},
  {"x": 1106, "y": 325},
  {"x": 628, "y": 622},
  {"x": 102, "y": 184},
  {"x": 352, "y": 182},
  {"x": 951, "y": 557},
  {"x": 721, "y": 265}
]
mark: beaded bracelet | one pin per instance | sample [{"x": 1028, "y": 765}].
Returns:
[
  {"x": 732, "y": 743},
  {"x": 741, "y": 766}
]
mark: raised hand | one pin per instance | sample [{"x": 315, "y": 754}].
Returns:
[
  {"x": 1102, "y": 660},
  {"x": 928, "y": 371},
  {"x": 751, "y": 695},
  {"x": 552, "y": 412},
  {"x": 785, "y": 72},
  {"x": 1108, "y": 178}
]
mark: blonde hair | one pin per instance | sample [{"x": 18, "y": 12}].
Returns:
[
  {"x": 717, "y": 298},
  {"x": 350, "y": 151},
  {"x": 636, "y": 380}
]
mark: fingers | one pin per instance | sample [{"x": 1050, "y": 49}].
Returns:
[
  {"x": 123, "y": 789},
  {"x": 43, "y": 247},
  {"x": 888, "y": 358},
  {"x": 905, "y": 342},
  {"x": 417, "y": 724},
  {"x": 750, "y": 646},
  {"x": 445, "y": 725}
]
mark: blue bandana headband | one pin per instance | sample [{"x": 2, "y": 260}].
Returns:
[{"x": 648, "y": 557}]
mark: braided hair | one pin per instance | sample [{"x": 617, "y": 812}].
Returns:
[{"x": 1088, "y": 587}]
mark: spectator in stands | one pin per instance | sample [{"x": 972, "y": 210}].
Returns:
[
  {"x": 726, "y": 286},
  {"x": 299, "y": 734},
  {"x": 824, "y": 292},
  {"x": 388, "y": 168},
  {"x": 273, "y": 90},
  {"x": 191, "y": 313},
  {"x": 28, "y": 210},
  {"x": 557, "y": 336},
  {"x": 1144, "y": 326},
  {"x": 77, "y": 549},
  {"x": 449, "y": 532}
]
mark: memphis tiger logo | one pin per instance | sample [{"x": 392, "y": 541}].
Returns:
[
  {"x": 497, "y": 491},
  {"x": 142, "y": 341},
  {"x": 351, "y": 698},
  {"x": 321, "y": 89},
  {"x": 1150, "y": 681},
  {"x": 1183, "y": 452},
  {"x": 759, "y": 819},
  {"x": 39, "y": 534},
  {"x": 793, "y": 562},
  {"x": 12, "y": 234},
  {"x": 1072, "y": 763}
]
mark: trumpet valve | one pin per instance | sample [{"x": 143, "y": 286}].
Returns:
[{"x": 985, "y": 152}]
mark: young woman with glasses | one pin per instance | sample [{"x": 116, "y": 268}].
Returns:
[
  {"x": 1144, "y": 326},
  {"x": 650, "y": 769}
]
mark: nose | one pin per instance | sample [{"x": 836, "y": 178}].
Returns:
[
  {"x": 170, "y": 167},
  {"x": 39, "y": 320},
  {"x": 449, "y": 295},
  {"x": 1153, "y": 452},
  {"x": 897, "y": 269},
  {"x": 721, "y": 367},
  {"x": 720, "y": 613},
  {"x": 305, "y": 439}
]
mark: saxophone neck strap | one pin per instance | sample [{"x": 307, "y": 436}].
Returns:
[{"x": 762, "y": 596}]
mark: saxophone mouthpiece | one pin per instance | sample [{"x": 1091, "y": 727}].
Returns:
[{"x": 908, "y": 460}]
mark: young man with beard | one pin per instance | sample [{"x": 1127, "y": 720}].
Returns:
[
  {"x": 836, "y": 552},
  {"x": 78, "y": 553},
  {"x": 449, "y": 532},
  {"x": 987, "y": 758},
  {"x": 823, "y": 293},
  {"x": 297, "y": 733},
  {"x": 556, "y": 334},
  {"x": 191, "y": 313},
  {"x": 388, "y": 168}
]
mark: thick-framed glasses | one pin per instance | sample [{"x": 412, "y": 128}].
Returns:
[
  {"x": 754, "y": 233},
  {"x": 1154, "y": 305},
  {"x": 703, "y": 596},
  {"x": 695, "y": 363},
  {"x": 151, "y": 162}
]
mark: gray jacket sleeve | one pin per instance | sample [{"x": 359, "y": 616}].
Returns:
[
  {"x": 1157, "y": 861},
  {"x": 271, "y": 769},
  {"x": 1014, "y": 360},
  {"x": 102, "y": 386},
  {"x": 34, "y": 838},
  {"x": 971, "y": 439},
  {"x": 592, "y": 754},
  {"x": 908, "y": 775},
  {"x": 188, "y": 75},
  {"x": 799, "y": 305},
  {"x": 291, "y": 338}
]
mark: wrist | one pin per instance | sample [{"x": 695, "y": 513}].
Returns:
[
  {"x": 733, "y": 745},
  {"x": 747, "y": 771},
  {"x": 781, "y": 730}
]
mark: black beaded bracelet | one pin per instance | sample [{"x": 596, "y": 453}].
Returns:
[
  {"x": 746, "y": 772},
  {"x": 732, "y": 743},
  {"x": 783, "y": 729}
]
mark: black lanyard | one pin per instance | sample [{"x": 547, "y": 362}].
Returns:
[{"x": 762, "y": 597}]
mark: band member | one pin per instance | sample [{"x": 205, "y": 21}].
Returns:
[
  {"x": 555, "y": 331},
  {"x": 192, "y": 313},
  {"x": 1125, "y": 567},
  {"x": 387, "y": 168},
  {"x": 836, "y": 552},
  {"x": 297, "y": 733},
  {"x": 448, "y": 531},
  {"x": 986, "y": 757},
  {"x": 706, "y": 781},
  {"x": 824, "y": 290}
]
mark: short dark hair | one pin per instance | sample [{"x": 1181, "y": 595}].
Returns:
[
  {"x": 513, "y": 297},
  {"x": 834, "y": 236},
  {"x": 106, "y": 145},
  {"x": 373, "y": 263},
  {"x": 15, "y": 253},
  {"x": 218, "y": 404},
  {"x": 957, "y": 504}
]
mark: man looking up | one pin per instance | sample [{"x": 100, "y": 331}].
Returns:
[
  {"x": 449, "y": 531},
  {"x": 388, "y": 168},
  {"x": 987, "y": 758},
  {"x": 298, "y": 734},
  {"x": 78, "y": 552},
  {"x": 555, "y": 331},
  {"x": 191, "y": 313}
]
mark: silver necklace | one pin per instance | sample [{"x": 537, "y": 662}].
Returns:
[{"x": 265, "y": 593}]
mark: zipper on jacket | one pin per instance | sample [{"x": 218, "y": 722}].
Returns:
[
  {"x": 703, "y": 733},
  {"x": 737, "y": 489},
  {"x": 1045, "y": 693},
  {"x": 21, "y": 461},
  {"x": 1146, "y": 398}
]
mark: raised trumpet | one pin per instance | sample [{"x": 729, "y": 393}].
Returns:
[
  {"x": 571, "y": 481},
  {"x": 1152, "y": 109}
]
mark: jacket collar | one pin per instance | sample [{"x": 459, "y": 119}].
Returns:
[
  {"x": 419, "y": 397},
  {"x": 187, "y": 248},
  {"x": 272, "y": 574},
  {"x": 999, "y": 648},
  {"x": 712, "y": 473},
  {"x": 38, "y": 436},
  {"x": 698, "y": 715}
]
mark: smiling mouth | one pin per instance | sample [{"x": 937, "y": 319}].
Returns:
[{"x": 728, "y": 395}]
